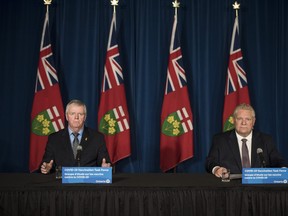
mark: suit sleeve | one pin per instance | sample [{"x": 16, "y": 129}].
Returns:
[
  {"x": 102, "y": 150},
  {"x": 212, "y": 159},
  {"x": 275, "y": 159},
  {"x": 49, "y": 152}
]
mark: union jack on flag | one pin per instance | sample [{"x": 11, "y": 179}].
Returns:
[
  {"x": 112, "y": 71},
  {"x": 176, "y": 77},
  {"x": 46, "y": 73},
  {"x": 236, "y": 77}
]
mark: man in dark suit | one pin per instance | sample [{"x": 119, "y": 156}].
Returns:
[
  {"x": 76, "y": 145},
  {"x": 238, "y": 148}
]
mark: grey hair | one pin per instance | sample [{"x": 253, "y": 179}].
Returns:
[
  {"x": 78, "y": 103},
  {"x": 244, "y": 106}
]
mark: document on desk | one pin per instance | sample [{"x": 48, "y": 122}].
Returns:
[
  {"x": 95, "y": 175},
  {"x": 265, "y": 176}
]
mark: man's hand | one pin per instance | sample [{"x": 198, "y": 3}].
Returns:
[
  {"x": 46, "y": 167},
  {"x": 104, "y": 164},
  {"x": 218, "y": 172}
]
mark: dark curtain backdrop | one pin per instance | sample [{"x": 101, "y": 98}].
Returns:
[{"x": 79, "y": 32}]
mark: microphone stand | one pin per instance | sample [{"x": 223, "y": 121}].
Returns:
[
  {"x": 78, "y": 161},
  {"x": 78, "y": 155}
]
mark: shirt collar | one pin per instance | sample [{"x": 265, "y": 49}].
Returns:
[
  {"x": 80, "y": 131},
  {"x": 239, "y": 137}
]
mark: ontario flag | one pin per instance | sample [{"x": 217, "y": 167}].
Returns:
[
  {"x": 47, "y": 114},
  {"x": 176, "y": 140},
  {"x": 236, "y": 89},
  {"x": 113, "y": 117}
]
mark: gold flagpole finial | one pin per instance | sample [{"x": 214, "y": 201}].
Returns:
[
  {"x": 114, "y": 3},
  {"x": 176, "y": 5},
  {"x": 47, "y": 2},
  {"x": 236, "y": 6}
]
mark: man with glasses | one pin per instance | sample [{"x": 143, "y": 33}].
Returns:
[
  {"x": 242, "y": 147},
  {"x": 65, "y": 146}
]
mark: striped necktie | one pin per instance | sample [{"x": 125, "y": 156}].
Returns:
[
  {"x": 245, "y": 155},
  {"x": 75, "y": 143}
]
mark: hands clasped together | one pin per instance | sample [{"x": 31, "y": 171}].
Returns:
[{"x": 46, "y": 167}]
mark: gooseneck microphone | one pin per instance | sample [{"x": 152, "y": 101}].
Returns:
[
  {"x": 261, "y": 157},
  {"x": 78, "y": 155}
]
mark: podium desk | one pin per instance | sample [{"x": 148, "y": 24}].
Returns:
[{"x": 159, "y": 194}]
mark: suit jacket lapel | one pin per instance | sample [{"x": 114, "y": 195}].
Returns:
[
  {"x": 234, "y": 147},
  {"x": 256, "y": 143},
  {"x": 67, "y": 142},
  {"x": 85, "y": 138}
]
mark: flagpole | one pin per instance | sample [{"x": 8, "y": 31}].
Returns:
[
  {"x": 114, "y": 3},
  {"x": 175, "y": 5},
  {"x": 236, "y": 7}
]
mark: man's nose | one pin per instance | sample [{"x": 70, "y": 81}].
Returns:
[{"x": 244, "y": 121}]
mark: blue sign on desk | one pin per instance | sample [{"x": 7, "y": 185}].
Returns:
[
  {"x": 96, "y": 175},
  {"x": 265, "y": 176}
]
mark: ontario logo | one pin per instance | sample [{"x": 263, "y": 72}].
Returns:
[
  {"x": 177, "y": 123},
  {"x": 114, "y": 121},
  {"x": 47, "y": 122}
]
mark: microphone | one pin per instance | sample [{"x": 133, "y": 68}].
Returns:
[
  {"x": 261, "y": 157},
  {"x": 78, "y": 155}
]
